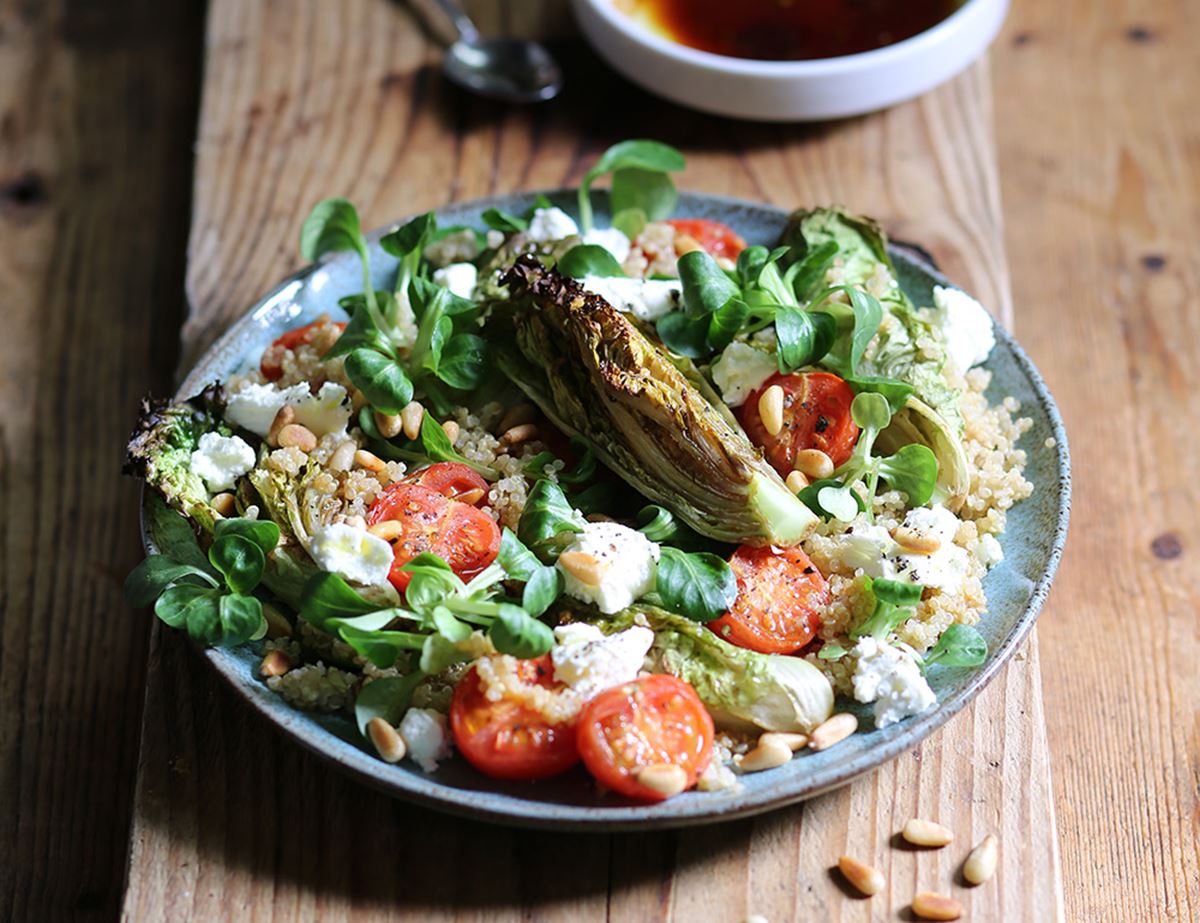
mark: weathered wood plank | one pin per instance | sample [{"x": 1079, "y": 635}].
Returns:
[
  {"x": 231, "y": 819},
  {"x": 97, "y": 117}
]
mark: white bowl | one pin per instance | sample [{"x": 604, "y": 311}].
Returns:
[{"x": 784, "y": 91}]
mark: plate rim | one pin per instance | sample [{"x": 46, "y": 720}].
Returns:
[{"x": 509, "y": 810}]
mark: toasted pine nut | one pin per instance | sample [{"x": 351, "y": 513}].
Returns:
[
  {"x": 285, "y": 415},
  {"x": 387, "y": 740},
  {"x": 388, "y": 424},
  {"x": 516, "y": 415},
  {"x": 276, "y": 663},
  {"x": 726, "y": 263},
  {"x": 863, "y": 877},
  {"x": 796, "y": 481},
  {"x": 926, "y": 833},
  {"x": 450, "y": 428},
  {"x": 225, "y": 504},
  {"x": 916, "y": 542},
  {"x": 358, "y": 401},
  {"x": 686, "y": 243},
  {"x": 410, "y": 419},
  {"x": 769, "y": 754},
  {"x": 814, "y": 463},
  {"x": 582, "y": 566},
  {"x": 277, "y": 624},
  {"x": 515, "y": 435},
  {"x": 665, "y": 778},
  {"x": 793, "y": 742},
  {"x": 770, "y": 409},
  {"x": 470, "y": 496},
  {"x": 598, "y": 517},
  {"x": 298, "y": 435},
  {"x": 354, "y": 521},
  {"x": 981, "y": 862},
  {"x": 369, "y": 460},
  {"x": 389, "y": 530},
  {"x": 930, "y": 906},
  {"x": 342, "y": 457},
  {"x": 833, "y": 731}
]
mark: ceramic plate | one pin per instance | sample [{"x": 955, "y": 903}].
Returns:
[{"x": 1015, "y": 589}]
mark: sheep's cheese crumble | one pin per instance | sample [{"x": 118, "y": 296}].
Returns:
[
  {"x": 589, "y": 661},
  {"x": 254, "y": 407},
  {"x": 646, "y": 299},
  {"x": 628, "y": 562},
  {"x": 611, "y": 239},
  {"x": 872, "y": 550},
  {"x": 220, "y": 460},
  {"x": 740, "y": 371},
  {"x": 551, "y": 224},
  {"x": 965, "y": 325},
  {"x": 459, "y": 278},
  {"x": 352, "y": 553},
  {"x": 890, "y": 677},
  {"x": 426, "y": 737}
]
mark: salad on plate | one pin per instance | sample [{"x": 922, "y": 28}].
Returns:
[{"x": 640, "y": 497}]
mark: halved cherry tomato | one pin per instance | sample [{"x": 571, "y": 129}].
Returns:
[
  {"x": 716, "y": 238},
  {"x": 466, "y": 538},
  {"x": 290, "y": 339},
  {"x": 506, "y": 739},
  {"x": 780, "y": 598},
  {"x": 655, "y": 719},
  {"x": 816, "y": 415},
  {"x": 454, "y": 480}
]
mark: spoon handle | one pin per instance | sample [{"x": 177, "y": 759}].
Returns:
[{"x": 462, "y": 22}]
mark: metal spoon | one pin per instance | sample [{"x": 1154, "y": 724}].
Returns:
[{"x": 512, "y": 70}]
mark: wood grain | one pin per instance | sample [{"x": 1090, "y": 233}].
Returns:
[
  {"x": 1101, "y": 160},
  {"x": 233, "y": 820},
  {"x": 97, "y": 108}
]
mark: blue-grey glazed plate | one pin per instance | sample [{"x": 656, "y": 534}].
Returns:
[{"x": 1016, "y": 588}]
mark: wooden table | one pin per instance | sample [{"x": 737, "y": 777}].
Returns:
[{"x": 1092, "y": 130}]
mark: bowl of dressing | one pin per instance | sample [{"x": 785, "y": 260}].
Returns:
[{"x": 789, "y": 60}]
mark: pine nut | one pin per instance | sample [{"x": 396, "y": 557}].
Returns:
[
  {"x": 926, "y": 833},
  {"x": 285, "y": 415},
  {"x": 916, "y": 542},
  {"x": 930, "y": 906},
  {"x": 389, "y": 530},
  {"x": 298, "y": 435},
  {"x": 793, "y": 742},
  {"x": 796, "y": 481},
  {"x": 354, "y": 521},
  {"x": 770, "y": 409},
  {"x": 769, "y": 754},
  {"x": 864, "y": 878},
  {"x": 276, "y": 663},
  {"x": 726, "y": 263},
  {"x": 833, "y": 731},
  {"x": 225, "y": 504},
  {"x": 470, "y": 497},
  {"x": 388, "y": 424},
  {"x": 410, "y": 419},
  {"x": 664, "y": 778},
  {"x": 515, "y": 435},
  {"x": 387, "y": 740},
  {"x": 450, "y": 428},
  {"x": 343, "y": 456},
  {"x": 814, "y": 463},
  {"x": 516, "y": 415},
  {"x": 981, "y": 862},
  {"x": 582, "y": 566},
  {"x": 686, "y": 243},
  {"x": 369, "y": 460},
  {"x": 277, "y": 624}
]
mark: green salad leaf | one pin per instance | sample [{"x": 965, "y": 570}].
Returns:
[
  {"x": 895, "y": 601},
  {"x": 589, "y": 260},
  {"x": 700, "y": 585},
  {"x": 633, "y": 188}
]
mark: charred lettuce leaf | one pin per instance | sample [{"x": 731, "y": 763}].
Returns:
[{"x": 595, "y": 375}]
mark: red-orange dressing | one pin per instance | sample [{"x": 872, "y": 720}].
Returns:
[{"x": 789, "y": 30}]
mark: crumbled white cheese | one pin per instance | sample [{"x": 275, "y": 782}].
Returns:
[
  {"x": 628, "y": 562},
  {"x": 494, "y": 239},
  {"x": 890, "y": 677},
  {"x": 551, "y": 224},
  {"x": 254, "y": 407},
  {"x": 221, "y": 460},
  {"x": 459, "y": 278},
  {"x": 355, "y": 554},
  {"x": 965, "y": 325},
  {"x": 741, "y": 370},
  {"x": 867, "y": 547},
  {"x": 988, "y": 551},
  {"x": 426, "y": 737},
  {"x": 944, "y": 569},
  {"x": 611, "y": 239},
  {"x": 589, "y": 661},
  {"x": 647, "y": 299}
]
